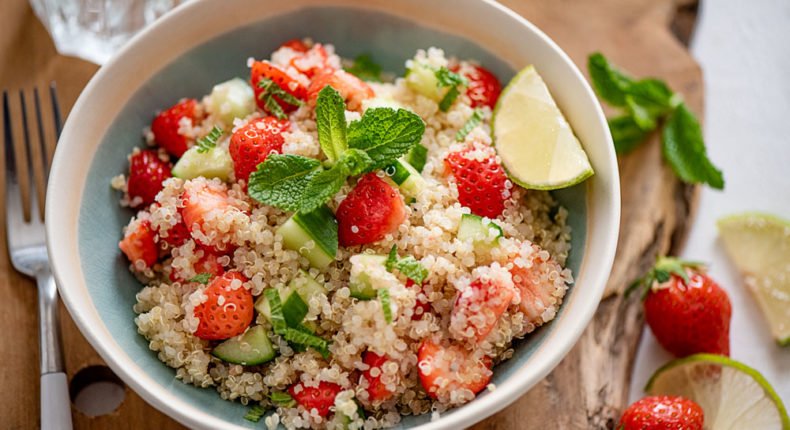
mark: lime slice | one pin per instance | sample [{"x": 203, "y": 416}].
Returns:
[
  {"x": 536, "y": 144},
  {"x": 759, "y": 245},
  {"x": 733, "y": 395}
]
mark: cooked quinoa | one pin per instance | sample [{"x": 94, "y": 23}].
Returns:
[{"x": 532, "y": 251}]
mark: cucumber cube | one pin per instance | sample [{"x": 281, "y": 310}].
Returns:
[
  {"x": 214, "y": 163},
  {"x": 232, "y": 99},
  {"x": 417, "y": 156},
  {"x": 363, "y": 274},
  {"x": 407, "y": 178},
  {"x": 251, "y": 348},
  {"x": 302, "y": 283},
  {"x": 313, "y": 235},
  {"x": 421, "y": 79},
  {"x": 478, "y": 230}
]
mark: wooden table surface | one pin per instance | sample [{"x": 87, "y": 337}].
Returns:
[{"x": 589, "y": 386}]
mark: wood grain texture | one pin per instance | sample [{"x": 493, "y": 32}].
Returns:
[{"x": 589, "y": 386}]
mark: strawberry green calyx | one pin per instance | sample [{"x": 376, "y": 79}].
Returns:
[{"x": 662, "y": 271}]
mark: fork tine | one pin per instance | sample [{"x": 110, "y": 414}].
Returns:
[
  {"x": 41, "y": 139},
  {"x": 55, "y": 110},
  {"x": 32, "y": 189},
  {"x": 13, "y": 199}
]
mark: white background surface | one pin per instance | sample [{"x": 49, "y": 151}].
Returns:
[{"x": 744, "y": 50}]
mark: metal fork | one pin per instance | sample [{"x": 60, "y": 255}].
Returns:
[{"x": 27, "y": 247}]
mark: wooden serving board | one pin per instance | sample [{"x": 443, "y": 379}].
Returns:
[{"x": 589, "y": 387}]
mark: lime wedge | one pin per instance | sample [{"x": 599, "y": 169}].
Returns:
[
  {"x": 759, "y": 246},
  {"x": 536, "y": 144},
  {"x": 733, "y": 395}
]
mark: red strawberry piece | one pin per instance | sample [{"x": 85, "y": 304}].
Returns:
[
  {"x": 478, "y": 308},
  {"x": 370, "y": 211},
  {"x": 353, "y": 90},
  {"x": 166, "y": 125},
  {"x": 530, "y": 268},
  {"x": 251, "y": 144},
  {"x": 313, "y": 62},
  {"x": 295, "y": 44},
  {"x": 662, "y": 413},
  {"x": 146, "y": 174},
  {"x": 264, "y": 70},
  {"x": 320, "y": 398},
  {"x": 203, "y": 202},
  {"x": 208, "y": 263},
  {"x": 422, "y": 306},
  {"x": 483, "y": 88},
  {"x": 688, "y": 312},
  {"x": 138, "y": 243},
  {"x": 377, "y": 391},
  {"x": 457, "y": 370},
  {"x": 481, "y": 181},
  {"x": 177, "y": 235},
  {"x": 227, "y": 311}
]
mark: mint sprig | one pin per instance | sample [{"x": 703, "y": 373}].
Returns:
[
  {"x": 364, "y": 68},
  {"x": 648, "y": 103},
  {"x": 409, "y": 266},
  {"x": 469, "y": 125},
  {"x": 271, "y": 93},
  {"x": 210, "y": 140},
  {"x": 376, "y": 140}
]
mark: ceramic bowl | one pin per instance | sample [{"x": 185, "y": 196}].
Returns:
[{"x": 206, "y": 42}]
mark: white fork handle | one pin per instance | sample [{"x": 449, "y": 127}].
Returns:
[
  {"x": 55, "y": 403},
  {"x": 55, "y": 399}
]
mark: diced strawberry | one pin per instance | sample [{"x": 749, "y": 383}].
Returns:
[
  {"x": 455, "y": 367},
  {"x": 146, "y": 174},
  {"x": 353, "y": 90},
  {"x": 264, "y": 70},
  {"x": 251, "y": 144},
  {"x": 223, "y": 319},
  {"x": 478, "y": 308},
  {"x": 166, "y": 125},
  {"x": 370, "y": 211},
  {"x": 296, "y": 44},
  {"x": 481, "y": 181},
  {"x": 208, "y": 263},
  {"x": 138, "y": 243},
  {"x": 177, "y": 235},
  {"x": 320, "y": 398},
  {"x": 313, "y": 62},
  {"x": 422, "y": 306},
  {"x": 377, "y": 391},
  {"x": 530, "y": 269},
  {"x": 483, "y": 88},
  {"x": 204, "y": 202}
]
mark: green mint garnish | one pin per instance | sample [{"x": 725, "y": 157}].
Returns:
[
  {"x": 272, "y": 90},
  {"x": 469, "y": 125},
  {"x": 306, "y": 339},
  {"x": 646, "y": 104},
  {"x": 210, "y": 141},
  {"x": 386, "y": 307},
  {"x": 282, "y": 180},
  {"x": 201, "y": 278},
  {"x": 409, "y": 266},
  {"x": 331, "y": 120},
  {"x": 376, "y": 140},
  {"x": 364, "y": 68},
  {"x": 446, "y": 78},
  {"x": 282, "y": 399},
  {"x": 276, "y": 310},
  {"x": 255, "y": 413}
]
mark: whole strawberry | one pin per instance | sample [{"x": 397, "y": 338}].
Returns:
[
  {"x": 687, "y": 310},
  {"x": 146, "y": 174},
  {"x": 662, "y": 413},
  {"x": 227, "y": 310},
  {"x": 482, "y": 183}
]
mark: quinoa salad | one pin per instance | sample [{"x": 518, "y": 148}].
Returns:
[{"x": 337, "y": 247}]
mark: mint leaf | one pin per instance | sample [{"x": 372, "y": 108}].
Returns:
[
  {"x": 684, "y": 149},
  {"x": 446, "y": 78},
  {"x": 255, "y": 413},
  {"x": 330, "y": 118},
  {"x": 322, "y": 187},
  {"x": 306, "y": 339},
  {"x": 386, "y": 305},
  {"x": 385, "y": 134},
  {"x": 281, "y": 180},
  {"x": 626, "y": 134},
  {"x": 641, "y": 116},
  {"x": 392, "y": 258},
  {"x": 282, "y": 399},
  {"x": 201, "y": 278},
  {"x": 412, "y": 269},
  {"x": 647, "y": 100},
  {"x": 272, "y": 92},
  {"x": 364, "y": 68},
  {"x": 449, "y": 99},
  {"x": 609, "y": 82},
  {"x": 210, "y": 141},
  {"x": 469, "y": 125},
  {"x": 356, "y": 161}
]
